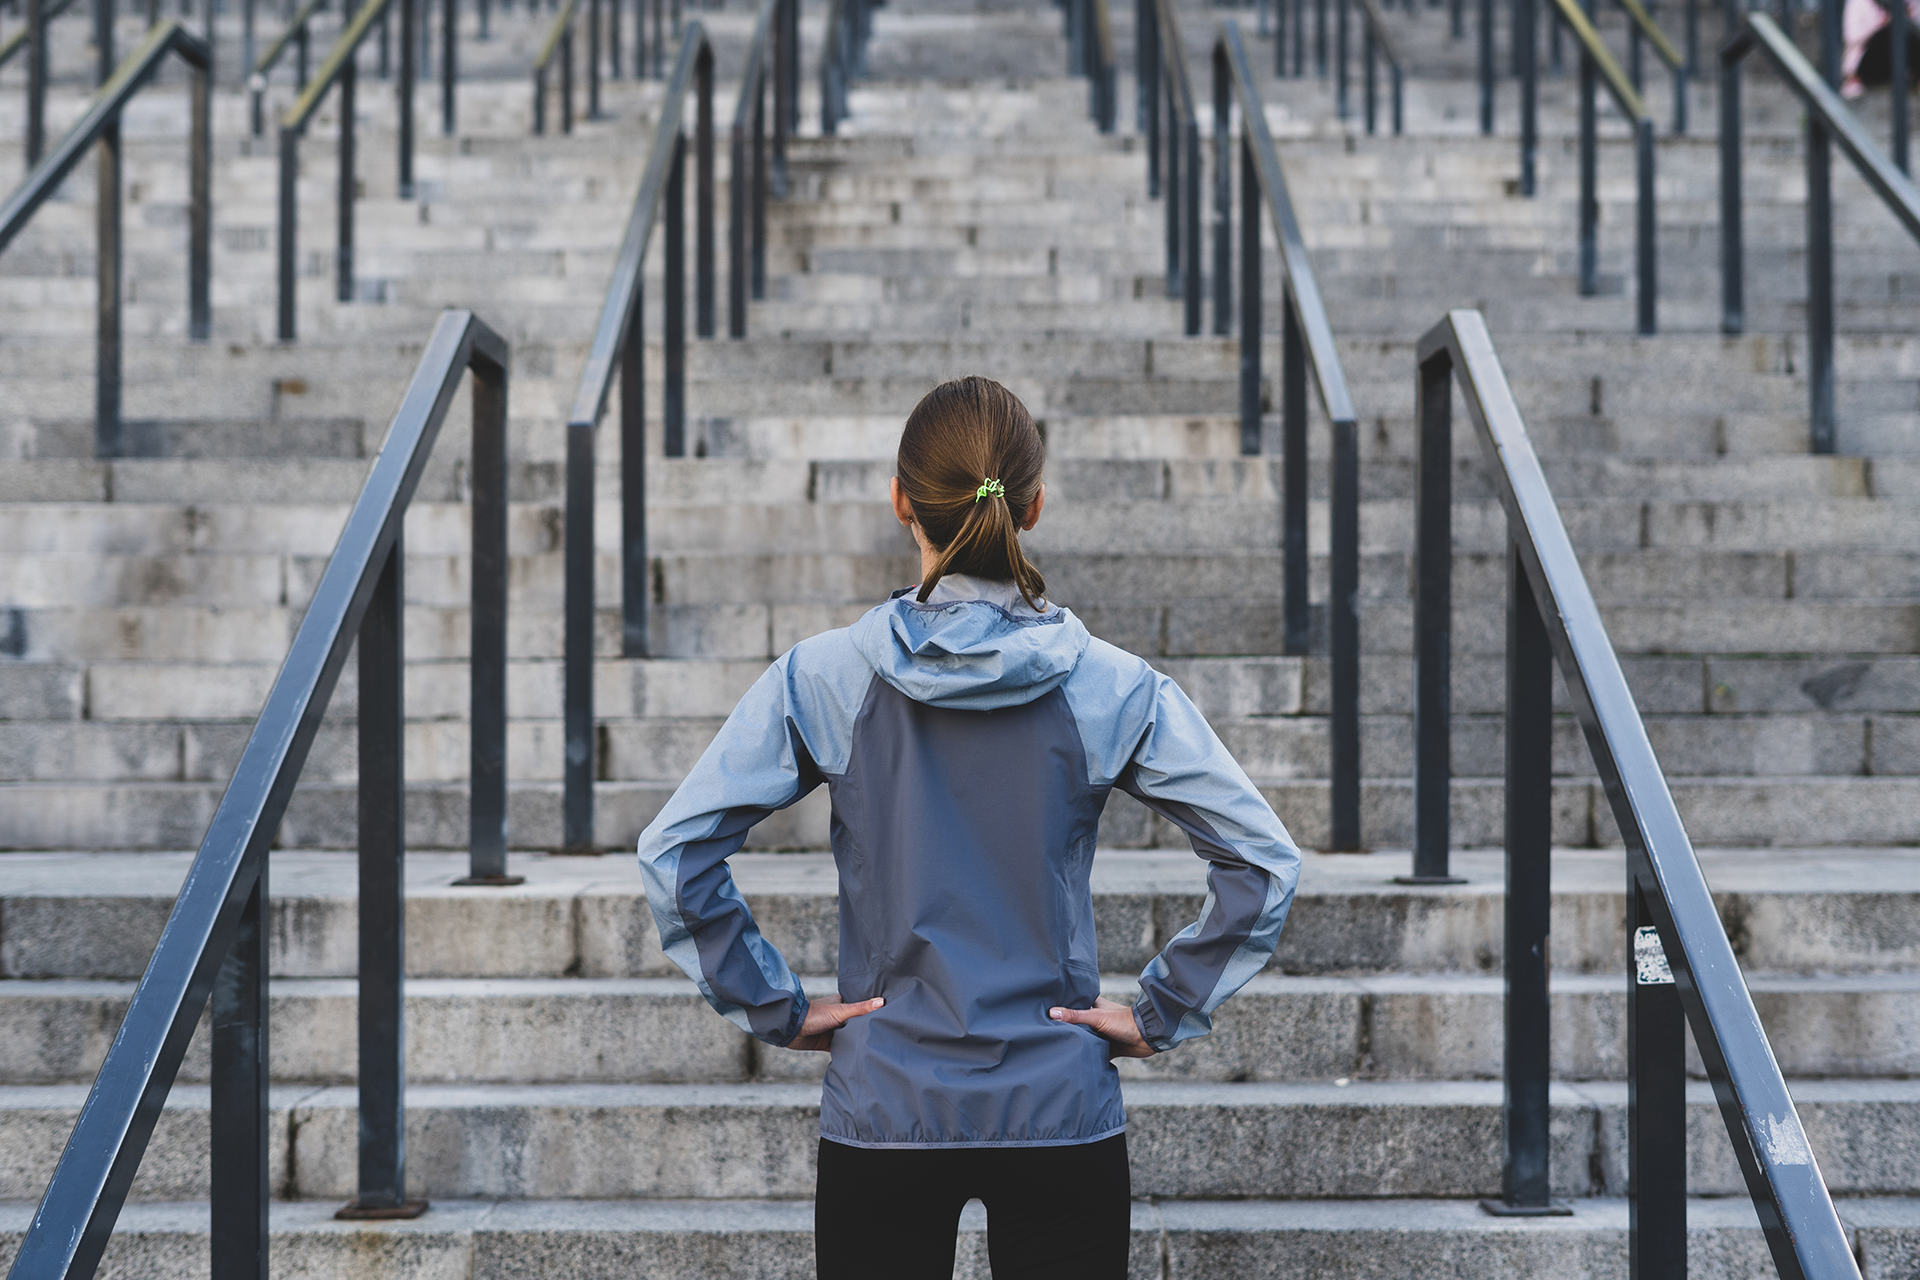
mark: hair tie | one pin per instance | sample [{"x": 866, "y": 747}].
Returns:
[{"x": 991, "y": 489}]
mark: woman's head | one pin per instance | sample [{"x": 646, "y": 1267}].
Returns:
[{"x": 962, "y": 437}]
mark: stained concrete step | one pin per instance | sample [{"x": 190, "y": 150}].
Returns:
[
  {"x": 659, "y": 1030},
  {"x": 1171, "y": 1239},
  {"x": 1185, "y": 1141},
  {"x": 1794, "y": 913}
]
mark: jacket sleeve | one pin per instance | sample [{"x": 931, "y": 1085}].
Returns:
[
  {"x": 757, "y": 765},
  {"x": 1182, "y": 771}
]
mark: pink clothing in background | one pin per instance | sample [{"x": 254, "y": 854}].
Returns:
[{"x": 1858, "y": 23}]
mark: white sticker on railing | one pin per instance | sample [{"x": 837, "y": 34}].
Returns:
[
  {"x": 1650, "y": 959},
  {"x": 1787, "y": 1141}
]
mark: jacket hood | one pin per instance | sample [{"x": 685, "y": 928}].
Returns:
[{"x": 970, "y": 655}]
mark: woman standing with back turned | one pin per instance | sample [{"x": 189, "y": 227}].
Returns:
[{"x": 969, "y": 732}]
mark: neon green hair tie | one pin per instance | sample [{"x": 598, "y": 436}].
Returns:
[{"x": 991, "y": 489}]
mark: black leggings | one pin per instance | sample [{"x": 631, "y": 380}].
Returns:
[{"x": 1055, "y": 1212}]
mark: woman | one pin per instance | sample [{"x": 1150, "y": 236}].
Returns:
[{"x": 969, "y": 732}]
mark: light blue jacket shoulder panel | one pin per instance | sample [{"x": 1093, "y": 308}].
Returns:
[
  {"x": 1144, "y": 735},
  {"x": 793, "y": 728}
]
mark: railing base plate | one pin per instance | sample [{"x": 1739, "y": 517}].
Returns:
[
  {"x": 1429, "y": 879},
  {"x": 1551, "y": 1209},
  {"x": 381, "y": 1212},
  {"x": 492, "y": 882}
]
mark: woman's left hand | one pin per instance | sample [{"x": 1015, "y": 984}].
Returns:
[{"x": 1112, "y": 1022}]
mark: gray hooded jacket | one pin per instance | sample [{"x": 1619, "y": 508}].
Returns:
[{"x": 969, "y": 745}]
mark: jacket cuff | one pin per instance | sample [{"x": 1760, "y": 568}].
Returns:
[
  {"x": 1151, "y": 1028},
  {"x": 785, "y": 1036}
]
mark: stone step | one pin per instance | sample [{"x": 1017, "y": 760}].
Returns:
[
  {"x": 1793, "y": 913},
  {"x": 1171, "y": 1239},
  {"x": 659, "y": 1030},
  {"x": 1185, "y": 1141}
]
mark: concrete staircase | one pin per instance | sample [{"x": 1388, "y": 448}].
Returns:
[{"x": 575, "y": 1107}]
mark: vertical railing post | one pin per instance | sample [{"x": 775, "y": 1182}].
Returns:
[
  {"x": 1222, "y": 197},
  {"x": 635, "y": 639},
  {"x": 757, "y": 263},
  {"x": 386, "y": 42},
  {"x": 1433, "y": 621},
  {"x": 1299, "y": 38},
  {"x": 237, "y": 1150},
  {"x": 1693, "y": 37},
  {"x": 1294, "y": 611},
  {"x": 302, "y": 41},
  {"x": 343, "y": 244},
  {"x": 1732, "y": 264},
  {"x": 103, "y": 39},
  {"x": 1525, "y": 1185},
  {"x": 1589, "y": 178},
  {"x": 1900, "y": 26},
  {"x": 705, "y": 293},
  {"x": 1250, "y": 315},
  {"x": 487, "y": 718},
  {"x": 1525, "y": 48},
  {"x": 108, "y": 267},
  {"x": 246, "y": 39},
  {"x": 1820, "y": 284},
  {"x": 1656, "y": 1103},
  {"x": 1190, "y": 279},
  {"x": 659, "y": 41},
  {"x": 1280, "y": 28},
  {"x": 449, "y": 62},
  {"x": 1830, "y": 40},
  {"x": 1399, "y": 101},
  {"x": 200, "y": 208},
  {"x": 1343, "y": 637},
  {"x": 737, "y": 232},
  {"x": 1636, "y": 75},
  {"x": 566, "y": 79},
  {"x": 1370, "y": 57},
  {"x": 1143, "y": 68},
  {"x": 289, "y": 217},
  {"x": 783, "y": 86},
  {"x": 576, "y": 812},
  {"x": 1320, "y": 38},
  {"x": 1646, "y": 231},
  {"x": 539, "y": 101},
  {"x": 404, "y": 99},
  {"x": 1342, "y": 107},
  {"x": 613, "y": 39},
  {"x": 1155, "y": 104},
  {"x": 383, "y": 930},
  {"x": 593, "y": 59},
  {"x": 1174, "y": 193},
  {"x": 36, "y": 80},
  {"x": 674, "y": 267},
  {"x": 1486, "y": 68}
]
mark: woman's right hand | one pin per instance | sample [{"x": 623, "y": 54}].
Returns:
[{"x": 824, "y": 1017}]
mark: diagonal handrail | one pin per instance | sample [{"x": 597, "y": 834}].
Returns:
[
  {"x": 1828, "y": 119},
  {"x": 1642, "y": 26},
  {"x": 18, "y": 40},
  {"x": 617, "y": 349},
  {"x": 214, "y": 943},
  {"x": 1308, "y": 346},
  {"x": 296, "y": 35},
  {"x": 1675, "y": 932}
]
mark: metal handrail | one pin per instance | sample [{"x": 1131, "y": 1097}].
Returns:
[
  {"x": 1089, "y": 34},
  {"x": 849, "y": 26},
  {"x": 1597, "y": 61},
  {"x": 339, "y": 68},
  {"x": 214, "y": 945},
  {"x": 618, "y": 349},
  {"x": 1376, "y": 43},
  {"x": 775, "y": 37},
  {"x": 1167, "y": 88},
  {"x": 1307, "y": 345},
  {"x": 1828, "y": 120},
  {"x": 101, "y": 124},
  {"x": 20, "y": 39},
  {"x": 296, "y": 36},
  {"x": 1681, "y": 968},
  {"x": 559, "y": 41}
]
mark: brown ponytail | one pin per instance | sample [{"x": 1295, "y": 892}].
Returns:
[{"x": 961, "y": 435}]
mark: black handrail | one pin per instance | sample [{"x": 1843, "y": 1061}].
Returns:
[
  {"x": 775, "y": 41},
  {"x": 1164, "y": 71},
  {"x": 618, "y": 349},
  {"x": 101, "y": 124},
  {"x": 1307, "y": 345},
  {"x": 844, "y": 56},
  {"x": 1828, "y": 120},
  {"x": 215, "y": 941},
  {"x": 1089, "y": 33},
  {"x": 297, "y": 36},
  {"x": 339, "y": 68},
  {"x": 1681, "y": 968},
  {"x": 1596, "y": 61},
  {"x": 559, "y": 43}
]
